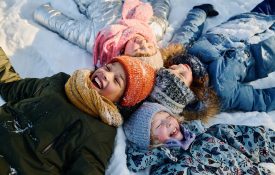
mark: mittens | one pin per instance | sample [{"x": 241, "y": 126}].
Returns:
[{"x": 208, "y": 8}]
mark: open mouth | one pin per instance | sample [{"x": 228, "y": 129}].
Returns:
[
  {"x": 174, "y": 132},
  {"x": 97, "y": 83}
]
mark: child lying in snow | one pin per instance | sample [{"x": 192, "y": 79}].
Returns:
[
  {"x": 52, "y": 125},
  {"x": 158, "y": 139},
  {"x": 231, "y": 55},
  {"x": 112, "y": 28}
]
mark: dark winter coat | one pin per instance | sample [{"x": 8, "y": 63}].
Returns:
[
  {"x": 41, "y": 132},
  {"x": 238, "y": 51},
  {"x": 220, "y": 149}
]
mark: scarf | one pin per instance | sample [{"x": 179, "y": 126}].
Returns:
[
  {"x": 88, "y": 100},
  {"x": 185, "y": 143}
]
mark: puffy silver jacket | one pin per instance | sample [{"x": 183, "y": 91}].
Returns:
[{"x": 99, "y": 13}]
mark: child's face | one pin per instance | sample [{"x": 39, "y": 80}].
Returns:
[
  {"x": 184, "y": 72},
  {"x": 139, "y": 46},
  {"x": 110, "y": 81},
  {"x": 165, "y": 126}
]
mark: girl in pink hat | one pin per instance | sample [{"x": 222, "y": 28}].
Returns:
[{"x": 112, "y": 28}]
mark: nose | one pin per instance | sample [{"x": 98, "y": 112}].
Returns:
[
  {"x": 144, "y": 42},
  {"x": 185, "y": 67},
  {"x": 144, "y": 46},
  {"x": 107, "y": 75}
]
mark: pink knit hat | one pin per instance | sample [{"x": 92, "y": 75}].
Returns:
[{"x": 111, "y": 40}]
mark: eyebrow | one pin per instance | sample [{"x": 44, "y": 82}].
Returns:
[
  {"x": 109, "y": 64},
  {"x": 154, "y": 121},
  {"x": 168, "y": 115}
]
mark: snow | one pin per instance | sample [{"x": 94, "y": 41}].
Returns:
[{"x": 35, "y": 51}]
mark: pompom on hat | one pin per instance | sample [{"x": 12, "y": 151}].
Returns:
[
  {"x": 140, "y": 78},
  {"x": 171, "y": 92},
  {"x": 137, "y": 127}
]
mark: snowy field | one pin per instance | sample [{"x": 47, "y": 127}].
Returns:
[{"x": 37, "y": 52}]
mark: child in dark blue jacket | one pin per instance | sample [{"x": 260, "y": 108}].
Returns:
[{"x": 234, "y": 53}]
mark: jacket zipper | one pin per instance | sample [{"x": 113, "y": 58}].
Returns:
[{"x": 61, "y": 137}]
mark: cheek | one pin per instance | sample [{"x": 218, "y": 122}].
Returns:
[
  {"x": 189, "y": 78},
  {"x": 129, "y": 49},
  {"x": 162, "y": 135},
  {"x": 111, "y": 90},
  {"x": 179, "y": 136},
  {"x": 153, "y": 49},
  {"x": 113, "y": 94}
]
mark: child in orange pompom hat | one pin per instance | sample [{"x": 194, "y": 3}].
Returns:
[
  {"x": 124, "y": 81},
  {"x": 62, "y": 113},
  {"x": 134, "y": 86}
]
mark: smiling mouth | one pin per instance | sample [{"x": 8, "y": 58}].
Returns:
[
  {"x": 97, "y": 83},
  {"x": 174, "y": 133}
]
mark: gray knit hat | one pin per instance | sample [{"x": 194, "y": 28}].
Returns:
[
  {"x": 171, "y": 92},
  {"x": 137, "y": 127}
]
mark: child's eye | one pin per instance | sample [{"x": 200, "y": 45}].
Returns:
[
  {"x": 182, "y": 75},
  {"x": 173, "y": 67},
  {"x": 158, "y": 125},
  {"x": 162, "y": 123},
  {"x": 108, "y": 68},
  {"x": 117, "y": 81}
]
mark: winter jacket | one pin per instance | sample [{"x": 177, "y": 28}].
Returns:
[
  {"x": 220, "y": 149},
  {"x": 99, "y": 14},
  {"x": 43, "y": 133},
  {"x": 236, "y": 52}
]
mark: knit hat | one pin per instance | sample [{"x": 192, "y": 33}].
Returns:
[
  {"x": 137, "y": 127},
  {"x": 198, "y": 68},
  {"x": 111, "y": 40},
  {"x": 171, "y": 92},
  {"x": 140, "y": 78},
  {"x": 155, "y": 61}
]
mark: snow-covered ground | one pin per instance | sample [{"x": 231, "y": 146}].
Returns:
[{"x": 37, "y": 52}]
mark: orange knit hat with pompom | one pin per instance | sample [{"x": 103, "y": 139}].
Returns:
[{"x": 140, "y": 79}]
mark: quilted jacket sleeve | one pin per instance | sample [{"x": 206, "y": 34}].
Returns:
[{"x": 191, "y": 29}]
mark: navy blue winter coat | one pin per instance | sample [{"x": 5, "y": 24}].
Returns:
[{"x": 238, "y": 51}]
